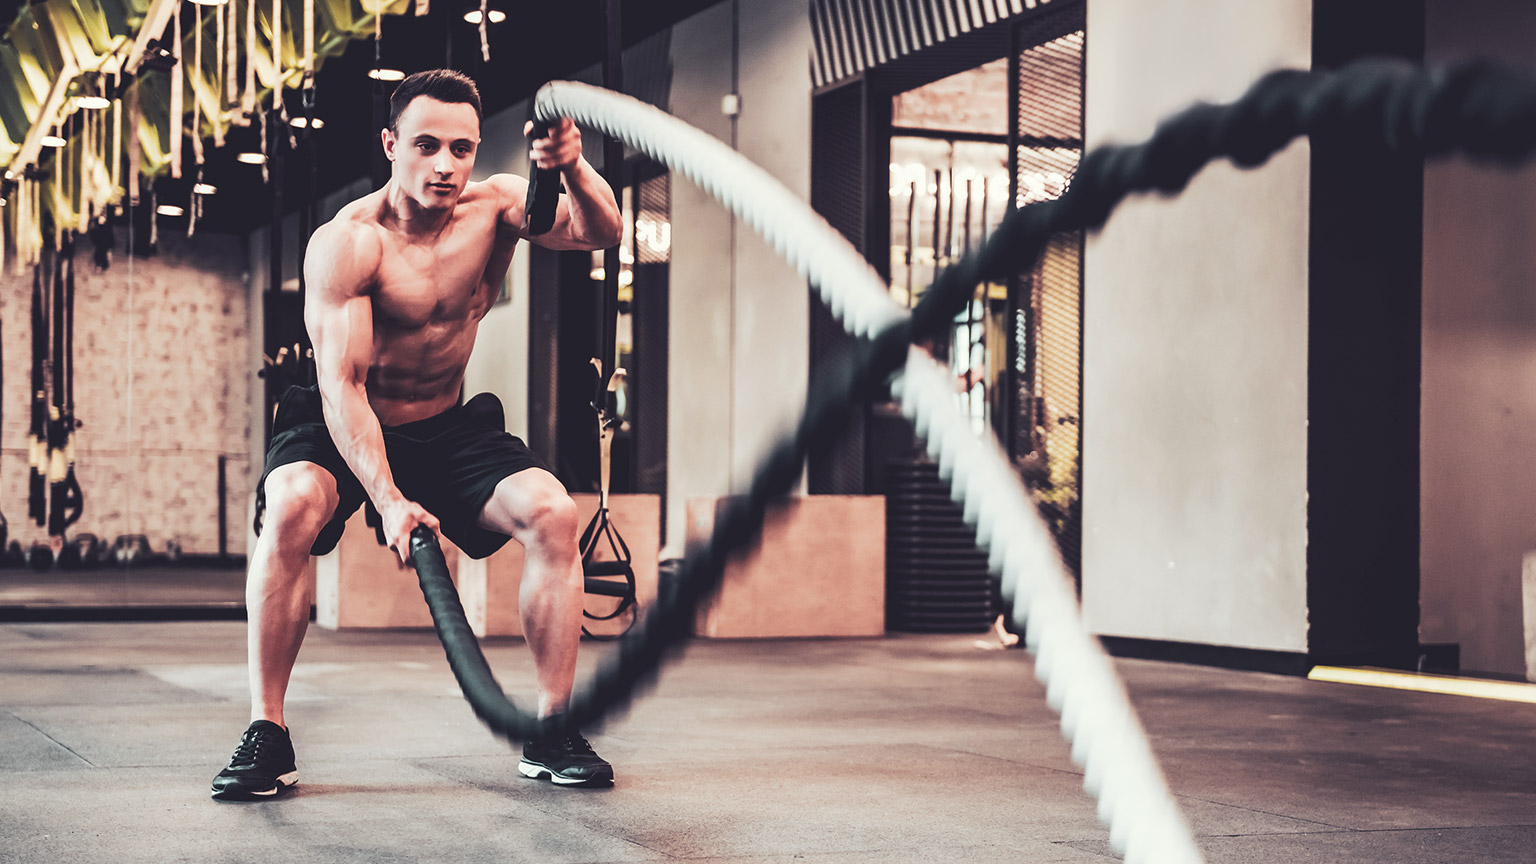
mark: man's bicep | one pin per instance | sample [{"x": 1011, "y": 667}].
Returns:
[
  {"x": 337, "y": 309},
  {"x": 562, "y": 234},
  {"x": 515, "y": 213},
  {"x": 341, "y": 329}
]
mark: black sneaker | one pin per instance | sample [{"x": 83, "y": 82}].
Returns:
[
  {"x": 262, "y": 764},
  {"x": 565, "y": 759}
]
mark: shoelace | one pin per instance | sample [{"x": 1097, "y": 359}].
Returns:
[
  {"x": 250, "y": 746},
  {"x": 577, "y": 745}
]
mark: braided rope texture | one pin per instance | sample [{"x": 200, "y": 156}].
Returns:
[{"x": 1477, "y": 107}]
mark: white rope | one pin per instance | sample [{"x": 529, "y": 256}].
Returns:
[{"x": 1096, "y": 715}]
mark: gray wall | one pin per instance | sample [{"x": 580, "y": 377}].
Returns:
[
  {"x": 1195, "y": 347},
  {"x": 1478, "y": 455}
]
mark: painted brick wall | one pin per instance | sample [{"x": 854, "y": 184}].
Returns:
[{"x": 163, "y": 388}]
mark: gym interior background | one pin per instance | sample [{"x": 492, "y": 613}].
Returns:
[{"x": 1282, "y": 419}]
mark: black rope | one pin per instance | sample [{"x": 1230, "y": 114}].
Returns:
[{"x": 1477, "y": 107}]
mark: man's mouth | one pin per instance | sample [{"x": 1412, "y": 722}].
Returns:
[{"x": 445, "y": 187}]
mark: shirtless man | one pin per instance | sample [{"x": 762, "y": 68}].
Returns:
[{"x": 397, "y": 285}]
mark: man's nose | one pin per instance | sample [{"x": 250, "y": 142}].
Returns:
[{"x": 443, "y": 164}]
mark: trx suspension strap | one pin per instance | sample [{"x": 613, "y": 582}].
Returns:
[
  {"x": 64, "y": 489},
  {"x": 609, "y": 376},
  {"x": 37, "y": 451},
  {"x": 599, "y": 573}
]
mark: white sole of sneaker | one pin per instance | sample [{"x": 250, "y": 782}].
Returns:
[
  {"x": 283, "y": 781},
  {"x": 536, "y": 771}
]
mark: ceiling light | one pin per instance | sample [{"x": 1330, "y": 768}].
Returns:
[
  {"x": 303, "y": 123},
  {"x": 251, "y": 158},
  {"x": 169, "y": 210},
  {"x": 204, "y": 188},
  {"x": 94, "y": 103},
  {"x": 52, "y": 141},
  {"x": 496, "y": 15},
  {"x": 386, "y": 74}
]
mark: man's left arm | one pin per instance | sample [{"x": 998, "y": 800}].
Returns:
[{"x": 587, "y": 216}]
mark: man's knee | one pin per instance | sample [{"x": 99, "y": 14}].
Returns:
[
  {"x": 301, "y": 497},
  {"x": 552, "y": 520}
]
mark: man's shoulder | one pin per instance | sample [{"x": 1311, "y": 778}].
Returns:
[
  {"x": 349, "y": 248},
  {"x": 498, "y": 189},
  {"x": 356, "y": 225}
]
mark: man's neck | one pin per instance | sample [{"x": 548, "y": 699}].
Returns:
[{"x": 410, "y": 218}]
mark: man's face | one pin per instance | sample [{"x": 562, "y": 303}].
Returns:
[{"x": 433, "y": 150}]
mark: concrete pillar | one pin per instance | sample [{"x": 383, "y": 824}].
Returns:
[{"x": 1195, "y": 346}]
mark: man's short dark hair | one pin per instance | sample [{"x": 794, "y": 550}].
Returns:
[{"x": 444, "y": 85}]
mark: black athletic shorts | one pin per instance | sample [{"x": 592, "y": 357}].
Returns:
[{"x": 449, "y": 464}]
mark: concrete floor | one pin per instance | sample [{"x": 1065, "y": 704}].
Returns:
[{"x": 906, "y": 749}]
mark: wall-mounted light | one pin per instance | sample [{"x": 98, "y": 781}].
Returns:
[
  {"x": 303, "y": 123},
  {"x": 93, "y": 103},
  {"x": 496, "y": 16},
  {"x": 386, "y": 74},
  {"x": 204, "y": 188},
  {"x": 169, "y": 210},
  {"x": 251, "y": 158}
]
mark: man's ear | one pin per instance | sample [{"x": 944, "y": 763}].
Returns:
[{"x": 387, "y": 138}]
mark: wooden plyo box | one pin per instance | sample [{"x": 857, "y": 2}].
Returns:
[
  {"x": 817, "y": 570},
  {"x": 361, "y": 585},
  {"x": 489, "y": 587}
]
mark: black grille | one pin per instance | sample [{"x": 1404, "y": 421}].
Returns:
[
  {"x": 936, "y": 578},
  {"x": 1046, "y": 302},
  {"x": 837, "y": 193}
]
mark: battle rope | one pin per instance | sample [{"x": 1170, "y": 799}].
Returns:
[{"x": 1477, "y": 107}]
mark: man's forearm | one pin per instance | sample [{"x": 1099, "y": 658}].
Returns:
[
  {"x": 594, "y": 213},
  {"x": 360, "y": 440}
]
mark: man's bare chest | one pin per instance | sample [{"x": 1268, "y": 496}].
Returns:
[{"x": 418, "y": 285}]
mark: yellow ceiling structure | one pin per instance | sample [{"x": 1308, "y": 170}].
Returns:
[{"x": 58, "y": 53}]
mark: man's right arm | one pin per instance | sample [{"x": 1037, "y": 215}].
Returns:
[{"x": 340, "y": 268}]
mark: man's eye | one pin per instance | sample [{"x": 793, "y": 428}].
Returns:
[{"x": 425, "y": 146}]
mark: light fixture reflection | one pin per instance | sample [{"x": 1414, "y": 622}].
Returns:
[
  {"x": 93, "y": 103},
  {"x": 251, "y": 158},
  {"x": 52, "y": 141},
  {"x": 496, "y": 15},
  {"x": 303, "y": 123},
  {"x": 386, "y": 74},
  {"x": 169, "y": 210},
  {"x": 204, "y": 188}
]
